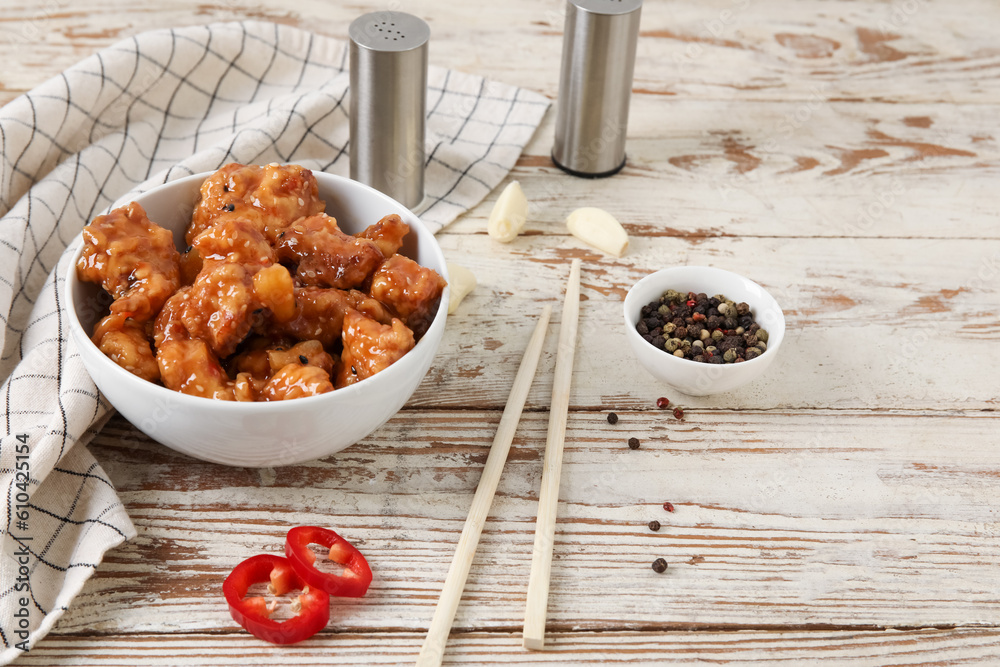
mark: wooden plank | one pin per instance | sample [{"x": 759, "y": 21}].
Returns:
[
  {"x": 724, "y": 49},
  {"x": 867, "y": 321},
  {"x": 836, "y": 518},
  {"x": 738, "y": 649},
  {"x": 779, "y": 169},
  {"x": 831, "y": 162}
]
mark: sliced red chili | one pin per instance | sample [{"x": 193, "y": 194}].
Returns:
[
  {"x": 352, "y": 582},
  {"x": 312, "y": 606}
]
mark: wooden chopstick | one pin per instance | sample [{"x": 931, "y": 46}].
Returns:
[
  {"x": 444, "y": 615},
  {"x": 548, "y": 496}
]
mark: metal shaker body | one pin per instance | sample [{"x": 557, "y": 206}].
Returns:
[
  {"x": 388, "y": 53},
  {"x": 595, "y": 85}
]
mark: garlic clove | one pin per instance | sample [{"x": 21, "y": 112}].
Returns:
[
  {"x": 461, "y": 281},
  {"x": 598, "y": 228},
  {"x": 509, "y": 214}
]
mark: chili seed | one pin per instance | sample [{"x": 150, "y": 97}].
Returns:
[
  {"x": 633, "y": 443},
  {"x": 659, "y": 566},
  {"x": 668, "y": 506},
  {"x": 654, "y": 525},
  {"x": 662, "y": 402},
  {"x": 678, "y": 413},
  {"x": 612, "y": 418}
]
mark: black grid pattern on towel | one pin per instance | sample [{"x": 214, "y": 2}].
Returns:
[{"x": 145, "y": 111}]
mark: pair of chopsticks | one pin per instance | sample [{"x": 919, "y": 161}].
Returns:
[{"x": 432, "y": 652}]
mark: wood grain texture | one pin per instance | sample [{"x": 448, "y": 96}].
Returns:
[
  {"x": 854, "y": 648},
  {"x": 872, "y": 323},
  {"x": 820, "y": 168},
  {"x": 738, "y": 50},
  {"x": 842, "y": 509},
  {"x": 783, "y": 519}
]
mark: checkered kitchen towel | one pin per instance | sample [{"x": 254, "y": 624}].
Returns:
[{"x": 152, "y": 109}]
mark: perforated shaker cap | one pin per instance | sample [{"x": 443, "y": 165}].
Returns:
[
  {"x": 595, "y": 85},
  {"x": 388, "y": 53}
]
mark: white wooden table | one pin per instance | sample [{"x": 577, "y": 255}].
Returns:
[{"x": 843, "y": 508}]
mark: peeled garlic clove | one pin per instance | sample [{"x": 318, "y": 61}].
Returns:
[
  {"x": 598, "y": 228},
  {"x": 509, "y": 214},
  {"x": 461, "y": 281}
]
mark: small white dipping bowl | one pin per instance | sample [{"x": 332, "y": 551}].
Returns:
[
  {"x": 692, "y": 377},
  {"x": 261, "y": 434}
]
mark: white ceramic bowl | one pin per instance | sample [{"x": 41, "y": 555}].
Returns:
[
  {"x": 262, "y": 434},
  {"x": 692, "y": 377}
]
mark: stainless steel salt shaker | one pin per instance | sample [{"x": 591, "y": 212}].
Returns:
[
  {"x": 388, "y": 53},
  {"x": 595, "y": 85}
]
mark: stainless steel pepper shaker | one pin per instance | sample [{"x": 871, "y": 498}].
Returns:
[
  {"x": 388, "y": 53},
  {"x": 595, "y": 85}
]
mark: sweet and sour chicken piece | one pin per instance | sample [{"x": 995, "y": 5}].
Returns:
[
  {"x": 125, "y": 342},
  {"x": 306, "y": 353},
  {"x": 246, "y": 387},
  {"x": 269, "y": 197},
  {"x": 319, "y": 314},
  {"x": 275, "y": 290},
  {"x": 326, "y": 256},
  {"x": 168, "y": 324},
  {"x": 409, "y": 289},
  {"x": 387, "y": 234},
  {"x": 296, "y": 381},
  {"x": 133, "y": 258},
  {"x": 188, "y": 366},
  {"x": 370, "y": 346},
  {"x": 267, "y": 370},
  {"x": 219, "y": 308},
  {"x": 235, "y": 241}
]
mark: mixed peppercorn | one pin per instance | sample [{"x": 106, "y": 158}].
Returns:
[
  {"x": 712, "y": 330},
  {"x": 660, "y": 564}
]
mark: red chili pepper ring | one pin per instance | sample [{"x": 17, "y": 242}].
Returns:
[
  {"x": 351, "y": 583},
  {"x": 313, "y": 605}
]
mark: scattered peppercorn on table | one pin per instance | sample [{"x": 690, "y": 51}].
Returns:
[{"x": 841, "y": 508}]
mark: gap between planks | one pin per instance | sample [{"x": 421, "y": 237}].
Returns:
[{"x": 568, "y": 629}]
